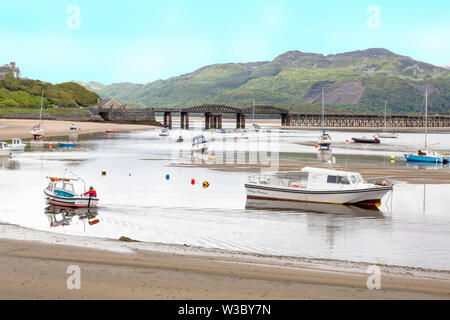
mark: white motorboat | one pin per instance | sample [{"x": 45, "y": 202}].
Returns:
[
  {"x": 73, "y": 126},
  {"x": 199, "y": 144},
  {"x": 324, "y": 142},
  {"x": 5, "y": 150},
  {"x": 164, "y": 132},
  {"x": 17, "y": 145},
  {"x": 320, "y": 186},
  {"x": 68, "y": 192},
  {"x": 256, "y": 127}
]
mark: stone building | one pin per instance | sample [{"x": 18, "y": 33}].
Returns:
[
  {"x": 110, "y": 103},
  {"x": 9, "y": 68}
]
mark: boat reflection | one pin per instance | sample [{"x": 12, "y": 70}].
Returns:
[
  {"x": 63, "y": 216},
  {"x": 9, "y": 164},
  {"x": 310, "y": 207},
  {"x": 424, "y": 164}
]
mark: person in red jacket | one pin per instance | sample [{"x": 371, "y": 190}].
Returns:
[{"x": 91, "y": 192}]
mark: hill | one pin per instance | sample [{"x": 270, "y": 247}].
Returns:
[
  {"x": 27, "y": 93},
  {"x": 358, "y": 81}
]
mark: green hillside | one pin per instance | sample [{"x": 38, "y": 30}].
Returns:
[
  {"x": 358, "y": 81},
  {"x": 27, "y": 93}
]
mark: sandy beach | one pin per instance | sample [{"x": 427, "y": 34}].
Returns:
[
  {"x": 21, "y": 128},
  {"x": 34, "y": 270}
]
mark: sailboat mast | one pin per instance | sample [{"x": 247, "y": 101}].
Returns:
[
  {"x": 42, "y": 103},
  {"x": 253, "y": 111},
  {"x": 323, "y": 110},
  {"x": 426, "y": 117}
]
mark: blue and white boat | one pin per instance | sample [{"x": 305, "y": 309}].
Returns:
[
  {"x": 427, "y": 155},
  {"x": 199, "y": 144},
  {"x": 17, "y": 145}
]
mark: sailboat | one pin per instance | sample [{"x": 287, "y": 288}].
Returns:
[
  {"x": 38, "y": 130},
  {"x": 255, "y": 126},
  {"x": 386, "y": 134},
  {"x": 325, "y": 139},
  {"x": 427, "y": 155}
]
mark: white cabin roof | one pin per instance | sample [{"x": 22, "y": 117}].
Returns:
[{"x": 322, "y": 171}]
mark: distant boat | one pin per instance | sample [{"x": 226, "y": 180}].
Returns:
[
  {"x": 5, "y": 150},
  {"x": 386, "y": 134},
  {"x": 256, "y": 127},
  {"x": 180, "y": 139},
  {"x": 199, "y": 144},
  {"x": 426, "y": 155},
  {"x": 324, "y": 139},
  {"x": 67, "y": 145},
  {"x": 17, "y": 145},
  {"x": 375, "y": 139},
  {"x": 164, "y": 133},
  {"x": 73, "y": 126},
  {"x": 38, "y": 130}
]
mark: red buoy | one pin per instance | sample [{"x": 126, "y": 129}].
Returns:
[{"x": 193, "y": 181}]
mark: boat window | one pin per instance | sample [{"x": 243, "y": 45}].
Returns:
[
  {"x": 59, "y": 185},
  {"x": 332, "y": 179},
  {"x": 68, "y": 187},
  {"x": 342, "y": 180}
]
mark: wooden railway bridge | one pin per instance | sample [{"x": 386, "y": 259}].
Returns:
[{"x": 214, "y": 113}]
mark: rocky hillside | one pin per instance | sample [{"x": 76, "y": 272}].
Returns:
[{"x": 358, "y": 81}]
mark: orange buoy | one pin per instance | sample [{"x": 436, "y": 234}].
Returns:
[
  {"x": 316, "y": 146},
  {"x": 295, "y": 186}
]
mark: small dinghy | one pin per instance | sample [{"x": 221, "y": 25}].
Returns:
[
  {"x": 375, "y": 139},
  {"x": 68, "y": 192},
  {"x": 180, "y": 139},
  {"x": 324, "y": 142}
]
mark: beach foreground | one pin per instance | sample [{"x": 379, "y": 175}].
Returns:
[
  {"x": 32, "y": 270},
  {"x": 10, "y": 129}
]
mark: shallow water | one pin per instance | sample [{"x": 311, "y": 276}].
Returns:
[{"x": 412, "y": 227}]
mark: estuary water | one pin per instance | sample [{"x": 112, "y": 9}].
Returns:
[{"x": 147, "y": 196}]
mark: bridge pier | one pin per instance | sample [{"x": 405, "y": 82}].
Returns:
[
  {"x": 285, "y": 120},
  {"x": 168, "y": 120},
  {"x": 219, "y": 123},
  {"x": 184, "y": 121},
  {"x": 238, "y": 120},
  {"x": 243, "y": 121},
  {"x": 207, "y": 119}
]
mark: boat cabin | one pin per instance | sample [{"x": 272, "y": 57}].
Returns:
[
  {"x": 327, "y": 176},
  {"x": 199, "y": 140},
  {"x": 4, "y": 145},
  {"x": 61, "y": 187}
]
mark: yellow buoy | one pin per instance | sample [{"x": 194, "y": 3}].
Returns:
[{"x": 205, "y": 184}]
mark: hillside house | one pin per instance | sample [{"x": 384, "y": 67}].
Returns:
[{"x": 9, "y": 68}]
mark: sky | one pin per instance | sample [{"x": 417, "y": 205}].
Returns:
[{"x": 142, "y": 41}]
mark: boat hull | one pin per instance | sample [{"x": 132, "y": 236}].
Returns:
[
  {"x": 357, "y": 140},
  {"x": 416, "y": 158},
  {"x": 76, "y": 202},
  {"x": 5, "y": 153},
  {"x": 350, "y": 196}
]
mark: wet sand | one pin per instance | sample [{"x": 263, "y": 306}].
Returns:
[
  {"x": 10, "y": 129},
  {"x": 31, "y": 270}
]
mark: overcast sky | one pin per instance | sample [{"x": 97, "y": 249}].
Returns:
[{"x": 142, "y": 41}]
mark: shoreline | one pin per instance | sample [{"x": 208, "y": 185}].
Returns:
[
  {"x": 20, "y": 128},
  {"x": 111, "y": 269}
]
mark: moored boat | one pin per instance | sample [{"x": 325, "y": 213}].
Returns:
[
  {"x": 320, "y": 186},
  {"x": 199, "y": 144},
  {"x": 374, "y": 139},
  {"x": 67, "y": 192},
  {"x": 164, "y": 132},
  {"x": 5, "y": 150},
  {"x": 324, "y": 142},
  {"x": 17, "y": 145},
  {"x": 66, "y": 144}
]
